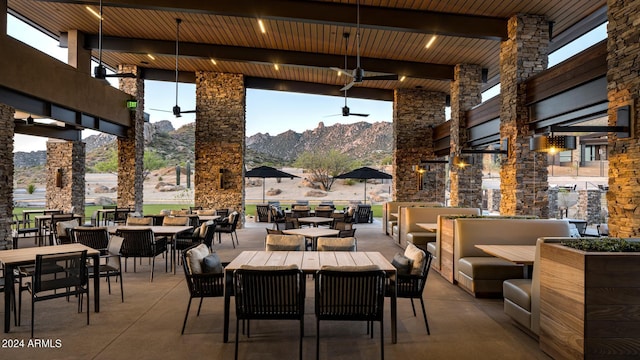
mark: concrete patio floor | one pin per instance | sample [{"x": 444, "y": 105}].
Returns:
[{"x": 147, "y": 325}]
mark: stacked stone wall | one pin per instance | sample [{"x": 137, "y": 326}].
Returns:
[
  {"x": 131, "y": 147},
  {"x": 415, "y": 113},
  {"x": 589, "y": 206},
  {"x": 7, "y": 128},
  {"x": 523, "y": 176},
  {"x": 220, "y": 140},
  {"x": 493, "y": 200},
  {"x": 623, "y": 47},
  {"x": 466, "y": 183},
  {"x": 65, "y": 169}
]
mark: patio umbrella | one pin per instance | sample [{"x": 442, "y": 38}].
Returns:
[
  {"x": 364, "y": 173},
  {"x": 267, "y": 172}
]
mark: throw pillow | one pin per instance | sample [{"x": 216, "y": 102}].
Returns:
[
  {"x": 63, "y": 227},
  {"x": 211, "y": 264},
  {"x": 195, "y": 257},
  {"x": 402, "y": 264},
  {"x": 417, "y": 256}
]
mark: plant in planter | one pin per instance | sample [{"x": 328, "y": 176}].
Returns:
[{"x": 589, "y": 296}]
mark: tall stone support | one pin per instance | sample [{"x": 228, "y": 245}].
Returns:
[
  {"x": 493, "y": 200},
  {"x": 7, "y": 129},
  {"x": 623, "y": 47},
  {"x": 589, "y": 206},
  {"x": 466, "y": 92},
  {"x": 65, "y": 170},
  {"x": 220, "y": 140},
  {"x": 415, "y": 113},
  {"x": 131, "y": 147},
  {"x": 523, "y": 177}
]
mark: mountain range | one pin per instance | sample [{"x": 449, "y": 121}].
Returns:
[{"x": 370, "y": 143}]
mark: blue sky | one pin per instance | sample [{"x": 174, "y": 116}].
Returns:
[{"x": 267, "y": 111}]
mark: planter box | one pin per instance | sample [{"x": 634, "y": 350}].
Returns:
[
  {"x": 447, "y": 235},
  {"x": 589, "y": 303}
]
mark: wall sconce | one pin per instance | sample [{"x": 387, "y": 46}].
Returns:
[
  {"x": 552, "y": 144},
  {"x": 423, "y": 167},
  {"x": 221, "y": 172},
  {"x": 59, "y": 177},
  {"x": 462, "y": 162}
]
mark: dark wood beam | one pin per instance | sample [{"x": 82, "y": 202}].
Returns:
[
  {"x": 238, "y": 53},
  {"x": 47, "y": 131},
  {"x": 374, "y": 17}
]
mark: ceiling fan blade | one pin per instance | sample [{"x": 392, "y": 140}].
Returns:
[
  {"x": 122, "y": 75},
  {"x": 167, "y": 111},
  {"x": 381, "y": 77},
  {"x": 356, "y": 114},
  {"x": 188, "y": 112},
  {"x": 334, "y": 115},
  {"x": 342, "y": 71},
  {"x": 348, "y": 86}
]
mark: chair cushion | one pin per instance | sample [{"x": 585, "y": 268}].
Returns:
[
  {"x": 178, "y": 212},
  {"x": 62, "y": 227},
  {"x": 421, "y": 237},
  {"x": 489, "y": 267},
  {"x": 195, "y": 257},
  {"x": 175, "y": 221},
  {"x": 211, "y": 264},
  {"x": 269, "y": 267},
  {"x": 275, "y": 242},
  {"x": 139, "y": 221},
  {"x": 518, "y": 291},
  {"x": 417, "y": 257},
  {"x": 402, "y": 263},
  {"x": 350, "y": 268},
  {"x": 336, "y": 244},
  {"x": 207, "y": 212}
]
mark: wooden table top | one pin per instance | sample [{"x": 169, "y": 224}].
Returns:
[
  {"x": 312, "y": 232},
  {"x": 310, "y": 261},
  {"x": 519, "y": 254},
  {"x": 428, "y": 226},
  {"x": 208, "y": 217},
  {"x": 315, "y": 219},
  {"x": 28, "y": 255}
]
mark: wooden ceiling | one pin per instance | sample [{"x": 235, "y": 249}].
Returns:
[{"x": 305, "y": 38}]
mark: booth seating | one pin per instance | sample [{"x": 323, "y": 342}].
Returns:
[
  {"x": 388, "y": 221},
  {"x": 408, "y": 231},
  {"x": 481, "y": 274}
]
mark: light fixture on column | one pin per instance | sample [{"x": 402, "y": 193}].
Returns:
[
  {"x": 552, "y": 144},
  {"x": 423, "y": 167},
  {"x": 462, "y": 162},
  {"x": 59, "y": 177}
]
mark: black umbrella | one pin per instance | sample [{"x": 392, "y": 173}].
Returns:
[
  {"x": 267, "y": 172},
  {"x": 364, "y": 173}
]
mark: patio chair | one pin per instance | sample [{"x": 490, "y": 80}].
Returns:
[
  {"x": 351, "y": 293},
  {"x": 141, "y": 243},
  {"x": 269, "y": 293},
  {"x": 72, "y": 280},
  {"x": 139, "y": 221},
  {"x": 300, "y": 211},
  {"x": 362, "y": 214},
  {"x": 201, "y": 284},
  {"x": 60, "y": 227},
  {"x": 410, "y": 285},
  {"x": 324, "y": 211},
  {"x": 262, "y": 213},
  {"x": 347, "y": 233},
  {"x": 228, "y": 227},
  {"x": 93, "y": 237},
  {"x": 222, "y": 212},
  {"x": 337, "y": 244},
  {"x": 274, "y": 242},
  {"x": 3, "y": 288},
  {"x": 22, "y": 228},
  {"x": 121, "y": 214}
]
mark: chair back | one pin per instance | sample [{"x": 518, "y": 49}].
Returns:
[
  {"x": 61, "y": 224},
  {"x": 222, "y": 212},
  {"x": 337, "y": 244},
  {"x": 269, "y": 293},
  {"x": 274, "y": 242},
  {"x": 72, "y": 271},
  {"x": 209, "y": 233},
  {"x": 201, "y": 285},
  {"x": 139, "y": 221},
  {"x": 362, "y": 214},
  {"x": 324, "y": 212},
  {"x": 93, "y": 237},
  {"x": 194, "y": 209},
  {"x": 350, "y": 293},
  {"x": 262, "y": 213},
  {"x": 300, "y": 211},
  {"x": 175, "y": 221},
  {"x": 347, "y": 233},
  {"x": 274, "y": 232},
  {"x": 140, "y": 243},
  {"x": 288, "y": 223},
  {"x": 412, "y": 286}
]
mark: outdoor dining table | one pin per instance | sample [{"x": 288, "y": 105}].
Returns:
[
  {"x": 158, "y": 230},
  {"x": 309, "y": 262},
  {"x": 315, "y": 220},
  {"x": 208, "y": 217},
  {"x": 517, "y": 254},
  {"x": 13, "y": 258},
  {"x": 312, "y": 233}
]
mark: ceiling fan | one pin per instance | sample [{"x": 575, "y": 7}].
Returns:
[
  {"x": 177, "y": 112},
  {"x": 358, "y": 74},
  {"x": 345, "y": 109},
  {"x": 100, "y": 71}
]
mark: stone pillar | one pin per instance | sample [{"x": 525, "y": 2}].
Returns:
[
  {"x": 131, "y": 147},
  {"x": 65, "y": 171},
  {"x": 523, "y": 177},
  {"x": 220, "y": 141},
  {"x": 623, "y": 197},
  {"x": 466, "y": 88},
  {"x": 493, "y": 200},
  {"x": 78, "y": 56},
  {"x": 415, "y": 113},
  {"x": 7, "y": 129},
  {"x": 553, "y": 202},
  {"x": 589, "y": 206}
]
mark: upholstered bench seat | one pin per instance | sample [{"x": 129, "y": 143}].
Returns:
[
  {"x": 489, "y": 267},
  {"x": 517, "y": 300},
  {"x": 390, "y": 225},
  {"x": 421, "y": 238}
]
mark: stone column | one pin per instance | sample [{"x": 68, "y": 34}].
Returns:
[
  {"x": 131, "y": 147},
  {"x": 623, "y": 49},
  {"x": 589, "y": 206},
  {"x": 466, "y": 89},
  {"x": 493, "y": 200},
  {"x": 7, "y": 129},
  {"x": 220, "y": 141},
  {"x": 552, "y": 193},
  {"x": 65, "y": 170},
  {"x": 415, "y": 113},
  {"x": 523, "y": 177}
]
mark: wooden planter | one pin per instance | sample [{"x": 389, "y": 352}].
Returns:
[
  {"x": 447, "y": 235},
  {"x": 589, "y": 303}
]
